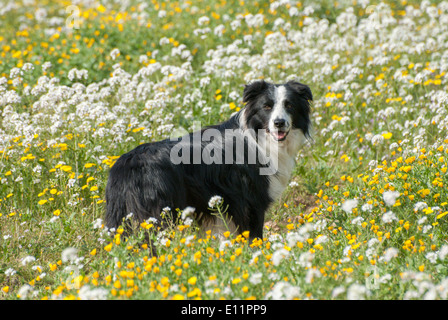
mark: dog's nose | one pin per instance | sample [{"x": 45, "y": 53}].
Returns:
[{"x": 279, "y": 123}]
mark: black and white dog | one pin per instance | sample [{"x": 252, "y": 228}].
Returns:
[{"x": 226, "y": 160}]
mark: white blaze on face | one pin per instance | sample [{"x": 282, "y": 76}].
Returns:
[{"x": 279, "y": 113}]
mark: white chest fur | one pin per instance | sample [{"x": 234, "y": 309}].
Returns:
[{"x": 284, "y": 154}]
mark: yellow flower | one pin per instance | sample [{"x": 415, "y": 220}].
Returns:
[
  {"x": 194, "y": 292},
  {"x": 57, "y": 212},
  {"x": 192, "y": 280},
  {"x": 66, "y": 168},
  {"x": 442, "y": 214},
  {"x": 387, "y": 135},
  {"x": 101, "y": 8},
  {"x": 108, "y": 247},
  {"x": 117, "y": 284}
]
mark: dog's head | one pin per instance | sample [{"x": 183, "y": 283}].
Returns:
[{"x": 277, "y": 108}]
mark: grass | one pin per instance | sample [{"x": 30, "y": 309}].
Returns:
[{"x": 365, "y": 215}]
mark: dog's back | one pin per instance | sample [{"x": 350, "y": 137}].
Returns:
[{"x": 146, "y": 180}]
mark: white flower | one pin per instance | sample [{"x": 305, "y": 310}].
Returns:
[
  {"x": 390, "y": 197},
  {"x": 443, "y": 252},
  {"x": 305, "y": 259},
  {"x": 189, "y": 239},
  {"x": 337, "y": 291},
  {"x": 203, "y": 20},
  {"x": 293, "y": 184},
  {"x": 293, "y": 237},
  {"x": 256, "y": 278},
  {"x": 358, "y": 221},
  {"x": 163, "y": 241},
  {"x": 10, "y": 272},
  {"x": 279, "y": 255},
  {"x": 254, "y": 256},
  {"x": 431, "y": 256},
  {"x": 152, "y": 220},
  {"x": 393, "y": 146},
  {"x": 143, "y": 58},
  {"x": 46, "y": 65},
  {"x": 390, "y": 253},
  {"x": 311, "y": 274},
  {"x": 27, "y": 66},
  {"x": 388, "y": 217},
  {"x": 187, "y": 212},
  {"x": 69, "y": 254},
  {"x": 321, "y": 239},
  {"x": 129, "y": 216},
  {"x": 87, "y": 293},
  {"x": 214, "y": 201},
  {"x": 422, "y": 220},
  {"x": 373, "y": 242},
  {"x": 40, "y": 14},
  {"x": 27, "y": 260},
  {"x": 114, "y": 53},
  {"x": 420, "y": 206},
  {"x": 98, "y": 223},
  {"x": 224, "y": 244},
  {"x": 367, "y": 207},
  {"x": 283, "y": 291},
  {"x": 24, "y": 291},
  {"x": 357, "y": 292},
  {"x": 349, "y": 205},
  {"x": 188, "y": 221},
  {"x": 377, "y": 139}
]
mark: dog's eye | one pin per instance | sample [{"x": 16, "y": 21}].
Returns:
[
  {"x": 266, "y": 107},
  {"x": 288, "y": 106}
]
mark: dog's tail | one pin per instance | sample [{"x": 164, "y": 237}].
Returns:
[
  {"x": 124, "y": 203},
  {"x": 124, "y": 196}
]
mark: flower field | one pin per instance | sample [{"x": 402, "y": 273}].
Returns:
[{"x": 365, "y": 215}]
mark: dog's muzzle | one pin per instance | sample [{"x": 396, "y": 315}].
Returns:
[{"x": 280, "y": 129}]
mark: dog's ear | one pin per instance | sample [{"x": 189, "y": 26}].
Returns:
[
  {"x": 251, "y": 91},
  {"x": 301, "y": 89}
]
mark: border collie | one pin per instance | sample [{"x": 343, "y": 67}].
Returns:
[{"x": 226, "y": 160}]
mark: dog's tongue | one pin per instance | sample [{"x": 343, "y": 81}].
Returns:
[{"x": 279, "y": 134}]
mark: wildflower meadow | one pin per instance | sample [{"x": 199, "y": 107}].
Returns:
[{"x": 365, "y": 215}]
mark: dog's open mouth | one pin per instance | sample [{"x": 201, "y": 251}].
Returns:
[{"x": 278, "y": 135}]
